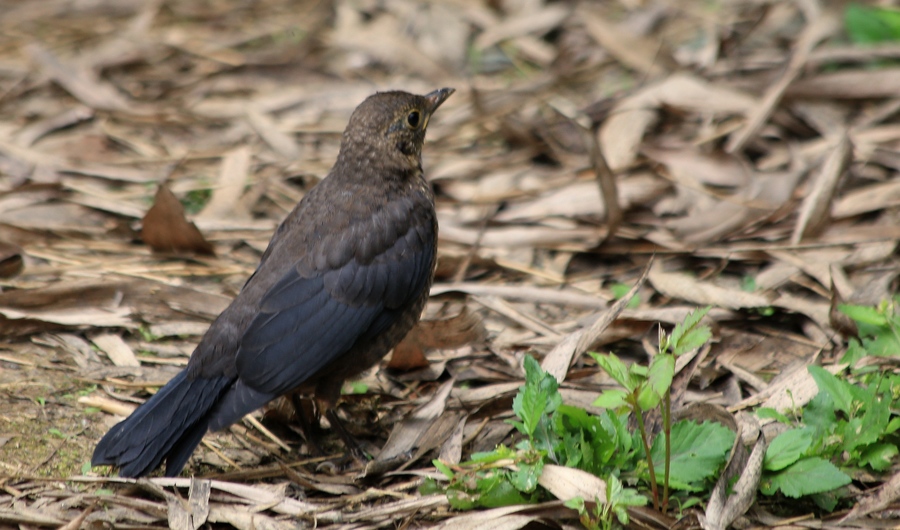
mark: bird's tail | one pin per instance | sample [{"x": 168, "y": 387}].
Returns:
[{"x": 168, "y": 426}]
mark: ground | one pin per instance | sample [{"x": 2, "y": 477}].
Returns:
[{"x": 737, "y": 155}]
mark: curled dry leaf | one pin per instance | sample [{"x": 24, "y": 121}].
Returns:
[
  {"x": 567, "y": 483},
  {"x": 816, "y": 206},
  {"x": 166, "y": 229},
  {"x": 11, "y": 262},
  {"x": 886, "y": 494},
  {"x": 622, "y": 133},
  {"x": 460, "y": 330}
]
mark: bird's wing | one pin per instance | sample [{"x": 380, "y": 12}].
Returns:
[{"x": 306, "y": 321}]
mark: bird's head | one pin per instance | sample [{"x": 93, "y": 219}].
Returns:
[{"x": 388, "y": 128}]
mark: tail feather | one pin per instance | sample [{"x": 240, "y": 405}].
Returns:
[{"x": 168, "y": 426}]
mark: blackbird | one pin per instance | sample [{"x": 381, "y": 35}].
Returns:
[{"x": 344, "y": 278}]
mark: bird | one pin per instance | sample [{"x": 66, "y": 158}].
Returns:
[{"x": 344, "y": 278}]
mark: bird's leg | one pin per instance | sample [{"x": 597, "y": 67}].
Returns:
[
  {"x": 308, "y": 424},
  {"x": 349, "y": 441}
]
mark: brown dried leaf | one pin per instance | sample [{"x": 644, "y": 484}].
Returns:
[
  {"x": 566, "y": 483},
  {"x": 408, "y": 432},
  {"x": 11, "y": 262},
  {"x": 622, "y": 132},
  {"x": 814, "y": 210},
  {"x": 116, "y": 349},
  {"x": 461, "y": 330},
  {"x": 682, "y": 286},
  {"x": 849, "y": 84},
  {"x": 224, "y": 202},
  {"x": 166, "y": 229},
  {"x": 885, "y": 494},
  {"x": 192, "y": 514}
]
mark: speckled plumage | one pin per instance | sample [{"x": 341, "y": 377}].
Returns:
[{"x": 344, "y": 278}]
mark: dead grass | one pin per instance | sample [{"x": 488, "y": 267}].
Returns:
[{"x": 745, "y": 140}]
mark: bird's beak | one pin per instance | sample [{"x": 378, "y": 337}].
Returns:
[{"x": 437, "y": 97}]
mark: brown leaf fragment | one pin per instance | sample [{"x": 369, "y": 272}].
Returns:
[
  {"x": 244, "y": 518},
  {"x": 817, "y": 204},
  {"x": 849, "y": 84},
  {"x": 11, "y": 262},
  {"x": 34, "y": 132},
  {"x": 461, "y": 330},
  {"x": 269, "y": 131},
  {"x": 728, "y": 502},
  {"x": 816, "y": 31},
  {"x": 643, "y": 54},
  {"x": 76, "y": 523},
  {"x": 884, "y": 495},
  {"x": 166, "y": 229},
  {"x": 224, "y": 202},
  {"x": 867, "y": 199},
  {"x": 408, "y": 432},
  {"x": 688, "y": 288},
  {"x": 82, "y": 83},
  {"x": 116, "y": 349},
  {"x": 192, "y": 514},
  {"x": 622, "y": 132},
  {"x": 566, "y": 483},
  {"x": 558, "y": 361},
  {"x": 451, "y": 451},
  {"x": 504, "y": 518}
]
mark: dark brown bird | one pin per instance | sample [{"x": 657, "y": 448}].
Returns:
[{"x": 344, "y": 278}]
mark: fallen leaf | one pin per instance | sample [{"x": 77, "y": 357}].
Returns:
[
  {"x": 166, "y": 229},
  {"x": 461, "y": 330},
  {"x": 11, "y": 262}
]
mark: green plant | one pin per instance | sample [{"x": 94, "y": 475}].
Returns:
[
  {"x": 872, "y": 25},
  {"x": 618, "y": 500},
  {"x": 850, "y": 424},
  {"x": 601, "y": 444},
  {"x": 645, "y": 388}
]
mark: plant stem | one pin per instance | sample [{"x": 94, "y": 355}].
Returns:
[
  {"x": 667, "y": 430},
  {"x": 639, "y": 414}
]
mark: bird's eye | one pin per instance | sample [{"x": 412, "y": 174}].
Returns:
[{"x": 413, "y": 119}]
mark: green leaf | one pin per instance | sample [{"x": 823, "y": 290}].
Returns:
[
  {"x": 689, "y": 334},
  {"x": 748, "y": 284},
  {"x": 805, "y": 477},
  {"x": 879, "y": 456},
  {"x": 539, "y": 396},
  {"x": 892, "y": 426},
  {"x": 611, "y": 399},
  {"x": 621, "y": 289},
  {"x": 489, "y": 457},
  {"x": 863, "y": 314},
  {"x": 870, "y": 427},
  {"x": 496, "y": 490},
  {"x": 840, "y": 391},
  {"x": 525, "y": 479},
  {"x": 619, "y": 495},
  {"x": 698, "y": 453},
  {"x": 443, "y": 468},
  {"x": 659, "y": 380},
  {"x": 819, "y": 414},
  {"x": 869, "y": 25},
  {"x": 588, "y": 441},
  {"x": 461, "y": 500},
  {"x": 787, "y": 448},
  {"x": 577, "y": 504},
  {"x": 854, "y": 353},
  {"x": 616, "y": 369},
  {"x": 764, "y": 413}
]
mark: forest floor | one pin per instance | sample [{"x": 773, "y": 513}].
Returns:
[{"x": 741, "y": 155}]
